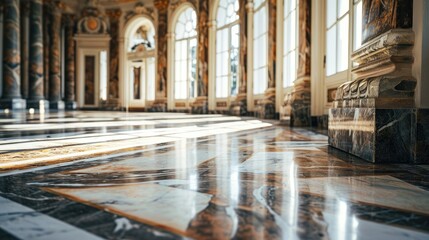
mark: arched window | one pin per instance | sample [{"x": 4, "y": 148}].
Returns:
[
  {"x": 140, "y": 62},
  {"x": 290, "y": 36},
  {"x": 185, "y": 55},
  {"x": 227, "y": 48},
  {"x": 260, "y": 47}
]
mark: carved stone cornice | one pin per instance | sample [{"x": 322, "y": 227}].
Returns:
[{"x": 161, "y": 5}]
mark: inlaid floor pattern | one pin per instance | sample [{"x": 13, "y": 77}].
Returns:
[{"x": 115, "y": 175}]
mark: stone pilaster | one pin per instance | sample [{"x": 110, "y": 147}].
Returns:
[
  {"x": 46, "y": 47},
  {"x": 113, "y": 96},
  {"x": 1, "y": 46},
  {"x": 266, "y": 108},
  {"x": 11, "y": 97},
  {"x": 55, "y": 101},
  {"x": 160, "y": 103},
  {"x": 36, "y": 96},
  {"x": 239, "y": 106},
  {"x": 70, "y": 62},
  {"x": 374, "y": 116},
  {"x": 24, "y": 35},
  {"x": 297, "y": 105},
  {"x": 201, "y": 103}
]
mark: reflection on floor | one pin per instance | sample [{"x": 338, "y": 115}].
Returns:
[{"x": 112, "y": 175}]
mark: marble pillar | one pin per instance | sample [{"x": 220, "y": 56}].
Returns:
[
  {"x": 200, "y": 105},
  {"x": 374, "y": 115},
  {"x": 36, "y": 98},
  {"x": 46, "y": 47},
  {"x": 266, "y": 107},
  {"x": 11, "y": 97},
  {"x": 1, "y": 47},
  {"x": 55, "y": 101},
  {"x": 70, "y": 62},
  {"x": 239, "y": 106},
  {"x": 24, "y": 35},
  {"x": 298, "y": 104},
  {"x": 113, "y": 94},
  {"x": 160, "y": 103}
]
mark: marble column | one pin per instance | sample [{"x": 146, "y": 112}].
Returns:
[
  {"x": 239, "y": 106},
  {"x": 11, "y": 98},
  {"x": 374, "y": 115},
  {"x": 266, "y": 108},
  {"x": 46, "y": 47},
  {"x": 55, "y": 101},
  {"x": 113, "y": 93},
  {"x": 160, "y": 103},
  {"x": 201, "y": 103},
  {"x": 70, "y": 62},
  {"x": 299, "y": 101},
  {"x": 24, "y": 15},
  {"x": 36, "y": 97},
  {"x": 1, "y": 46}
]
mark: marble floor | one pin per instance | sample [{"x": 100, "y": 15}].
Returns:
[{"x": 115, "y": 175}]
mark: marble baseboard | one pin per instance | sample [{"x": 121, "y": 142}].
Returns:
[
  {"x": 57, "y": 105},
  {"x": 375, "y": 135},
  {"x": 320, "y": 122},
  {"x": 238, "y": 109},
  {"x": 38, "y": 104},
  {"x": 71, "y": 105},
  {"x": 13, "y": 104},
  {"x": 200, "y": 109},
  {"x": 158, "y": 107}
]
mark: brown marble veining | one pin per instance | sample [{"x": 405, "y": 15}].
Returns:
[
  {"x": 36, "y": 50},
  {"x": 114, "y": 17},
  {"x": 228, "y": 179},
  {"x": 55, "y": 55},
  {"x": 70, "y": 54}
]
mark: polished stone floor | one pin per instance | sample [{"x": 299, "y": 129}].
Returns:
[{"x": 113, "y": 175}]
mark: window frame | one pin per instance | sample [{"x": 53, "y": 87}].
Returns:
[
  {"x": 286, "y": 53},
  {"x": 229, "y": 26},
  {"x": 263, "y": 4},
  {"x": 184, "y": 103}
]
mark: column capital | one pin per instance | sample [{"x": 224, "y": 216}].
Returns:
[
  {"x": 249, "y": 5},
  {"x": 161, "y": 5},
  {"x": 211, "y": 23}
]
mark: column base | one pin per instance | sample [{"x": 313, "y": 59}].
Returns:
[
  {"x": 38, "y": 104},
  {"x": 71, "y": 105},
  {"x": 13, "y": 104},
  {"x": 238, "y": 108},
  {"x": 265, "y": 110},
  {"x": 381, "y": 135},
  {"x": 158, "y": 106},
  {"x": 200, "y": 106},
  {"x": 57, "y": 105}
]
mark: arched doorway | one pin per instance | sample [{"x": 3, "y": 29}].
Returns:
[{"x": 139, "y": 71}]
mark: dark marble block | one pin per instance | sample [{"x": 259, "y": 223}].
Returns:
[
  {"x": 57, "y": 105},
  {"x": 13, "y": 104},
  {"x": 422, "y": 136},
  {"x": 71, "y": 105},
  {"x": 376, "y": 135},
  {"x": 38, "y": 104},
  {"x": 265, "y": 111}
]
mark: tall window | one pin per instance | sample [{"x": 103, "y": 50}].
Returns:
[
  {"x": 290, "y": 56},
  {"x": 337, "y": 36},
  {"x": 185, "y": 57},
  {"x": 227, "y": 48},
  {"x": 260, "y": 46}
]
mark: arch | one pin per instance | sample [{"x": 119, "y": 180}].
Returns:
[{"x": 129, "y": 29}]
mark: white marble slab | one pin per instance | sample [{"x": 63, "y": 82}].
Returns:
[
  {"x": 25, "y": 223},
  {"x": 383, "y": 191},
  {"x": 154, "y": 204}
]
